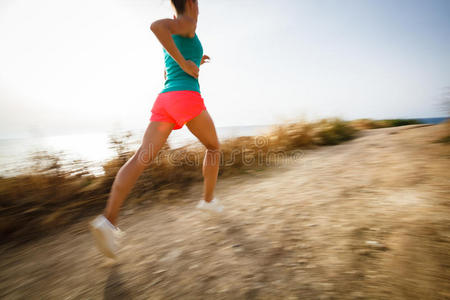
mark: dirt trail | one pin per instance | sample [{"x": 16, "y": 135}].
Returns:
[{"x": 368, "y": 219}]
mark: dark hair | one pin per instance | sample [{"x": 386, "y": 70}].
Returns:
[{"x": 180, "y": 5}]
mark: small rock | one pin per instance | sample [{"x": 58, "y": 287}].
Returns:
[
  {"x": 376, "y": 245},
  {"x": 171, "y": 256},
  {"x": 371, "y": 243},
  {"x": 156, "y": 281}
]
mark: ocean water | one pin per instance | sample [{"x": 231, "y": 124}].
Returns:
[
  {"x": 92, "y": 149},
  {"x": 432, "y": 120}
]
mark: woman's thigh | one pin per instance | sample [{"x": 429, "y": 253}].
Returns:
[
  {"x": 154, "y": 138},
  {"x": 202, "y": 126}
]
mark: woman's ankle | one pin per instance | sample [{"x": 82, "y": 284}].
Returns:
[
  {"x": 110, "y": 218},
  {"x": 208, "y": 199}
]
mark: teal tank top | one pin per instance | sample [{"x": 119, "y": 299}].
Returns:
[{"x": 176, "y": 78}]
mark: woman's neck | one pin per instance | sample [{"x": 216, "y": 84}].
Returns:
[{"x": 186, "y": 15}]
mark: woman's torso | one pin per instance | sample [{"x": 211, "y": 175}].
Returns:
[{"x": 176, "y": 78}]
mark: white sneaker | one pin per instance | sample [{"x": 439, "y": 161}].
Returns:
[
  {"x": 213, "y": 205},
  {"x": 106, "y": 235}
]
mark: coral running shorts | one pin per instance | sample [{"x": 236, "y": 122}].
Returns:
[{"x": 177, "y": 107}]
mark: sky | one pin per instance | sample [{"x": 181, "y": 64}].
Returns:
[{"x": 94, "y": 65}]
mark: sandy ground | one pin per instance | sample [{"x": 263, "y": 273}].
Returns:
[{"x": 368, "y": 219}]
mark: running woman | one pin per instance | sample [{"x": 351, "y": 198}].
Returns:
[{"x": 179, "y": 103}]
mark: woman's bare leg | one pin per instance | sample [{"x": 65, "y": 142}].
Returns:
[
  {"x": 202, "y": 126},
  {"x": 154, "y": 138}
]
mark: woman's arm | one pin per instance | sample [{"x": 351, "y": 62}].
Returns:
[{"x": 164, "y": 28}]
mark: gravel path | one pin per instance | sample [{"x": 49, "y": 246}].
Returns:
[{"x": 367, "y": 219}]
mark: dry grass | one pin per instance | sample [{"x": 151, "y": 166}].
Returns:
[
  {"x": 49, "y": 196},
  {"x": 373, "y": 124}
]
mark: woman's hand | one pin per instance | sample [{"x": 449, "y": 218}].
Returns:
[
  {"x": 205, "y": 59},
  {"x": 191, "y": 68}
]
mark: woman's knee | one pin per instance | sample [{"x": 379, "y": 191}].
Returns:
[
  {"x": 215, "y": 146},
  {"x": 212, "y": 154}
]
